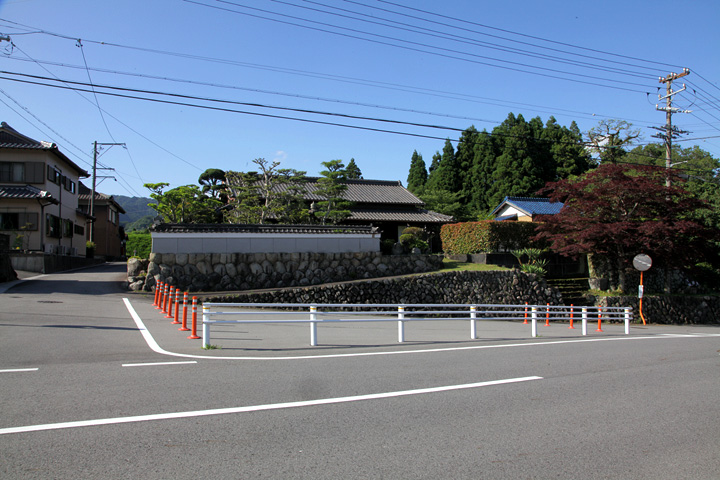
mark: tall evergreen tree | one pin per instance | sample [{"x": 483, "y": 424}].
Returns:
[
  {"x": 352, "y": 171},
  {"x": 447, "y": 174},
  {"x": 418, "y": 174},
  {"x": 464, "y": 159}
]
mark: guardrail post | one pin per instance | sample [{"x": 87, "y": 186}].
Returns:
[
  {"x": 533, "y": 315},
  {"x": 313, "y": 326},
  {"x": 584, "y": 320},
  {"x": 627, "y": 321},
  {"x": 473, "y": 324},
  {"x": 401, "y": 324},
  {"x": 206, "y": 327}
]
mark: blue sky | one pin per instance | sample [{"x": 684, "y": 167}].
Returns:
[{"x": 424, "y": 71}]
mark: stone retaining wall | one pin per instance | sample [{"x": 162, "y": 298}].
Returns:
[
  {"x": 247, "y": 271},
  {"x": 494, "y": 287},
  {"x": 673, "y": 309}
]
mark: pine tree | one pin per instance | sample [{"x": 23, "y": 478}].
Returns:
[
  {"x": 352, "y": 171},
  {"x": 418, "y": 174},
  {"x": 330, "y": 186}
]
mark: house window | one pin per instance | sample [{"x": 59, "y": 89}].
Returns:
[
  {"x": 53, "y": 175},
  {"x": 12, "y": 172},
  {"x": 69, "y": 184},
  {"x": 52, "y": 226},
  {"x": 79, "y": 230},
  {"x": 67, "y": 228},
  {"x": 18, "y": 221}
]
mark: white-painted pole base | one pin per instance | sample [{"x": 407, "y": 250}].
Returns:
[
  {"x": 313, "y": 326},
  {"x": 401, "y": 324},
  {"x": 205, "y": 330},
  {"x": 627, "y": 321},
  {"x": 534, "y": 321},
  {"x": 473, "y": 322}
]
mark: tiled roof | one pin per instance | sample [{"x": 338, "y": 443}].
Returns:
[
  {"x": 417, "y": 215},
  {"x": 243, "y": 228},
  {"x": 84, "y": 194},
  {"x": 532, "y": 206},
  {"x": 26, "y": 192},
  {"x": 11, "y": 138},
  {"x": 365, "y": 191}
]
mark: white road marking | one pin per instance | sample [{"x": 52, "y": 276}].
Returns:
[
  {"x": 258, "y": 408},
  {"x": 156, "y": 348},
  {"x": 157, "y": 363},
  {"x": 14, "y": 370}
]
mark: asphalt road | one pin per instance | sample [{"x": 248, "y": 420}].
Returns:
[{"x": 85, "y": 394}]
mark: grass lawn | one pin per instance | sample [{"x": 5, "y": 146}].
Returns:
[{"x": 453, "y": 266}]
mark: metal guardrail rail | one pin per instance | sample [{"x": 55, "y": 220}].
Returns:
[{"x": 319, "y": 313}]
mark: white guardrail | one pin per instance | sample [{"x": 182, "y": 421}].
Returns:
[{"x": 317, "y": 313}]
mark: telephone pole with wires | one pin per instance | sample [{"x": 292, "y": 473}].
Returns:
[
  {"x": 669, "y": 130},
  {"x": 94, "y": 182}
]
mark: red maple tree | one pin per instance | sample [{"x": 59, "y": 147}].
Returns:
[{"x": 619, "y": 211}]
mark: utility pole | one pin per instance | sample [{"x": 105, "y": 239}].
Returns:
[
  {"x": 669, "y": 110},
  {"x": 94, "y": 180}
]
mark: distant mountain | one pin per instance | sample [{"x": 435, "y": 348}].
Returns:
[{"x": 137, "y": 216}]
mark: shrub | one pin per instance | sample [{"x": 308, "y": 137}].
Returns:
[
  {"x": 138, "y": 244},
  {"x": 486, "y": 236},
  {"x": 414, "y": 237}
]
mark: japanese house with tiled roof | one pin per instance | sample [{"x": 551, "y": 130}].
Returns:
[
  {"x": 39, "y": 196},
  {"x": 383, "y": 204},
  {"x": 525, "y": 209}
]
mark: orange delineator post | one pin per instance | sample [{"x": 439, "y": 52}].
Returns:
[
  {"x": 177, "y": 306},
  {"x": 159, "y": 288},
  {"x": 571, "y": 316},
  {"x": 193, "y": 335},
  {"x": 525, "y": 322},
  {"x": 166, "y": 289},
  {"x": 184, "y": 320},
  {"x": 155, "y": 301},
  {"x": 170, "y": 306},
  {"x": 547, "y": 315},
  {"x": 599, "y": 329}
]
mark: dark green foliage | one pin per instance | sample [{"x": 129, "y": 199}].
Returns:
[
  {"x": 135, "y": 209},
  {"x": 138, "y": 245},
  {"x": 418, "y": 174},
  {"x": 487, "y": 236},
  {"x": 352, "y": 171},
  {"x": 516, "y": 159},
  {"x": 185, "y": 204},
  {"x": 213, "y": 183},
  {"x": 414, "y": 237},
  {"x": 334, "y": 208}
]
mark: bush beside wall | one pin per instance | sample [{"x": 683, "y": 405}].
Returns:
[{"x": 486, "y": 236}]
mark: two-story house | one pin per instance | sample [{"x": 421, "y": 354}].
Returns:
[
  {"x": 107, "y": 234},
  {"x": 39, "y": 196}
]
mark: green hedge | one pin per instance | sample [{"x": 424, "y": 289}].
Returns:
[
  {"x": 138, "y": 244},
  {"x": 486, "y": 236}
]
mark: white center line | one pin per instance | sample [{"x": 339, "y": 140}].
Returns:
[
  {"x": 14, "y": 370},
  {"x": 157, "y": 363},
  {"x": 257, "y": 408}
]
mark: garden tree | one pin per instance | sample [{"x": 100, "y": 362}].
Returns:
[
  {"x": 568, "y": 153},
  {"x": 518, "y": 171},
  {"x": 212, "y": 181},
  {"x": 352, "y": 171},
  {"x": 185, "y": 204},
  {"x": 618, "y": 211},
  {"x": 609, "y": 138},
  {"x": 447, "y": 174},
  {"x": 418, "y": 174},
  {"x": 698, "y": 167},
  {"x": 445, "y": 202},
  {"x": 272, "y": 193},
  {"x": 334, "y": 208}
]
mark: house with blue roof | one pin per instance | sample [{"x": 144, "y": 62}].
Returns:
[{"x": 525, "y": 209}]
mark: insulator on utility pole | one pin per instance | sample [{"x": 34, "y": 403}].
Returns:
[{"x": 669, "y": 110}]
